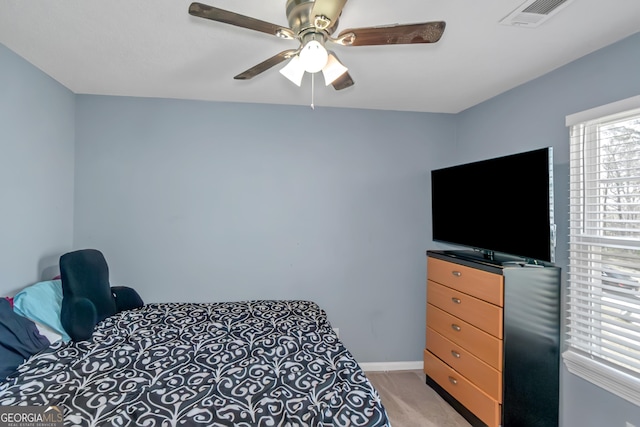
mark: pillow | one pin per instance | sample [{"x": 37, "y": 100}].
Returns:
[
  {"x": 42, "y": 303},
  {"x": 87, "y": 296},
  {"x": 85, "y": 275},
  {"x": 19, "y": 339},
  {"x": 47, "y": 332}
]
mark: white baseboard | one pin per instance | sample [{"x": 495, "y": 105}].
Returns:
[{"x": 391, "y": 366}]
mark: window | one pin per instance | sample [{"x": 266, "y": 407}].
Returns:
[{"x": 604, "y": 248}]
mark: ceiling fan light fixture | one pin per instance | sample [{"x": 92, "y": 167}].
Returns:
[
  {"x": 333, "y": 69},
  {"x": 313, "y": 56},
  {"x": 294, "y": 71}
]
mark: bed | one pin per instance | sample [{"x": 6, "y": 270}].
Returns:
[{"x": 250, "y": 363}]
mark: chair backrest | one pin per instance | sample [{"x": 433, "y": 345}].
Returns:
[{"x": 85, "y": 274}]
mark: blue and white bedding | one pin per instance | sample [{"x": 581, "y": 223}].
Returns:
[{"x": 254, "y": 363}]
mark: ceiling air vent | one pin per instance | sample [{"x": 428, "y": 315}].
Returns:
[{"x": 534, "y": 12}]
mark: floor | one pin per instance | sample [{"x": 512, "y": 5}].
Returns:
[{"x": 411, "y": 403}]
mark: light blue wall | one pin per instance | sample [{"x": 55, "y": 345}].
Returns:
[
  {"x": 36, "y": 172},
  {"x": 532, "y": 116},
  {"x": 201, "y": 201}
]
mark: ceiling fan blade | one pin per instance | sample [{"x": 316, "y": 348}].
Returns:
[
  {"x": 208, "y": 12},
  {"x": 343, "y": 82},
  {"x": 329, "y": 9},
  {"x": 265, "y": 65},
  {"x": 427, "y": 32}
]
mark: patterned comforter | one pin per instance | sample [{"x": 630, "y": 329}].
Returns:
[{"x": 255, "y": 363}]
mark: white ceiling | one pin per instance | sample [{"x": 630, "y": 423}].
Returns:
[{"x": 154, "y": 48}]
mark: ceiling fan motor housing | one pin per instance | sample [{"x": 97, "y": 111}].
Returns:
[{"x": 301, "y": 21}]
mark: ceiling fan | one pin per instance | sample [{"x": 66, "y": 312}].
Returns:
[{"x": 312, "y": 23}]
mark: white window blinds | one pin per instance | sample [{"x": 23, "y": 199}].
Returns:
[{"x": 604, "y": 252}]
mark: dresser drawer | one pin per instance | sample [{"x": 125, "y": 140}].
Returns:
[
  {"x": 480, "y": 284},
  {"x": 479, "y": 313},
  {"x": 475, "y": 370},
  {"x": 483, "y": 345},
  {"x": 465, "y": 392}
]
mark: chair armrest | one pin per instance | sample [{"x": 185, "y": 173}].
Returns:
[
  {"x": 126, "y": 298},
  {"x": 78, "y": 317}
]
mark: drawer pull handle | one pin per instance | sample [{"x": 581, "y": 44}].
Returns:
[
  {"x": 456, "y": 327},
  {"x": 456, "y": 300},
  {"x": 453, "y": 380},
  {"x": 456, "y": 273},
  {"x": 455, "y": 354}
]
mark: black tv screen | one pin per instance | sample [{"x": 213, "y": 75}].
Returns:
[{"x": 501, "y": 205}]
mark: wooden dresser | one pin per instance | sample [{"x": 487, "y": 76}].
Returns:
[{"x": 492, "y": 342}]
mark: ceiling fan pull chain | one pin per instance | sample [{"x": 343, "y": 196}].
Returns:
[{"x": 312, "y": 90}]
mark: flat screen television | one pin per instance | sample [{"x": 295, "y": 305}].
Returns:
[{"x": 501, "y": 205}]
